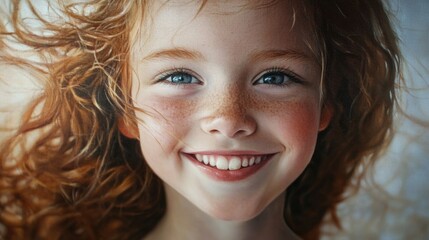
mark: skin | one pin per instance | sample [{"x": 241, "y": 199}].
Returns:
[{"x": 225, "y": 49}]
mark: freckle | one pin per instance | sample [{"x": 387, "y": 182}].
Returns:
[
  {"x": 237, "y": 102},
  {"x": 175, "y": 108},
  {"x": 231, "y": 103},
  {"x": 183, "y": 108}
]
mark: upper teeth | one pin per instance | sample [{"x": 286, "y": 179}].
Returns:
[{"x": 229, "y": 162}]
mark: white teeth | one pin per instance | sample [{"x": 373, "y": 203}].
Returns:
[
  {"x": 234, "y": 163},
  {"x": 245, "y": 162},
  {"x": 251, "y": 161},
  {"x": 229, "y": 163},
  {"x": 206, "y": 159},
  {"x": 212, "y": 161},
  {"x": 222, "y": 163}
]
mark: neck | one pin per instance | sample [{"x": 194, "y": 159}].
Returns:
[{"x": 185, "y": 221}]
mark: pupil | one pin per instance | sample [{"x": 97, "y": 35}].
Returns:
[
  {"x": 274, "y": 79},
  {"x": 181, "y": 78}
]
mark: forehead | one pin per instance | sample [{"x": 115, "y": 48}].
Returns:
[{"x": 230, "y": 23}]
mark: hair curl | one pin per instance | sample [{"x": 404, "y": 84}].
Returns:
[
  {"x": 361, "y": 65},
  {"x": 80, "y": 178}
]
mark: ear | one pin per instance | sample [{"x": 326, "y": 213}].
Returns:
[
  {"x": 127, "y": 130},
  {"x": 325, "y": 116}
]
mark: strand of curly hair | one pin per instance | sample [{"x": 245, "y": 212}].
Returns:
[{"x": 80, "y": 178}]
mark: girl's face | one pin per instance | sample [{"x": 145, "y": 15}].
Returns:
[{"x": 231, "y": 102}]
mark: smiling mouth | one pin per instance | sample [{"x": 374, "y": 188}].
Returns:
[{"x": 232, "y": 163}]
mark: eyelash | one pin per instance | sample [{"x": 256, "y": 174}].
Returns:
[
  {"x": 292, "y": 77},
  {"x": 162, "y": 78}
]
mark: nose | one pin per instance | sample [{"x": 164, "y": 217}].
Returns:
[{"x": 229, "y": 117}]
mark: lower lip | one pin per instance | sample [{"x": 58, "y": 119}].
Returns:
[{"x": 228, "y": 175}]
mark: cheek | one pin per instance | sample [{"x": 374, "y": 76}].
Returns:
[
  {"x": 298, "y": 131},
  {"x": 299, "y": 123},
  {"x": 295, "y": 124},
  {"x": 164, "y": 123},
  {"x": 294, "y": 121},
  {"x": 165, "y": 119}
]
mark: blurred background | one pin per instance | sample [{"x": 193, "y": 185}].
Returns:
[{"x": 394, "y": 202}]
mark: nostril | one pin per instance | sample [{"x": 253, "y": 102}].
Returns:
[
  {"x": 228, "y": 126},
  {"x": 240, "y": 132}
]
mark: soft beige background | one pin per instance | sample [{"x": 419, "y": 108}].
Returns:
[{"x": 397, "y": 210}]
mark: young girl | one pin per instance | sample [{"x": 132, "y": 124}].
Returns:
[{"x": 196, "y": 120}]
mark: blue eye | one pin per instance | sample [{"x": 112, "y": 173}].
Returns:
[
  {"x": 273, "y": 78},
  {"x": 276, "y": 77},
  {"x": 180, "y": 77}
]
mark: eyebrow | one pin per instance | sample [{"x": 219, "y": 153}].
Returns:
[
  {"x": 183, "y": 53},
  {"x": 174, "y": 53}
]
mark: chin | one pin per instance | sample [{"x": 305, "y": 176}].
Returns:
[{"x": 233, "y": 212}]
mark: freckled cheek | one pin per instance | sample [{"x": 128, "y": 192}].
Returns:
[
  {"x": 166, "y": 119},
  {"x": 296, "y": 124}
]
